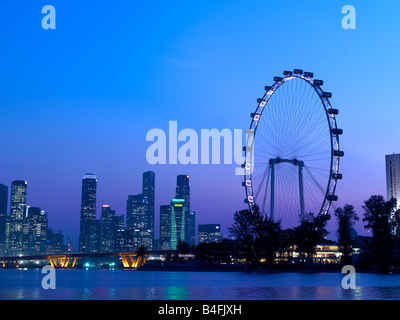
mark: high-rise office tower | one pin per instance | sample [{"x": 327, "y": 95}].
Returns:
[
  {"x": 3, "y": 216},
  {"x": 165, "y": 227},
  {"x": 393, "y": 177},
  {"x": 178, "y": 222},
  {"x": 34, "y": 232},
  {"x": 148, "y": 192},
  {"x": 55, "y": 243},
  {"x": 17, "y": 213},
  {"x": 183, "y": 192},
  {"x": 136, "y": 212},
  {"x": 137, "y": 220},
  {"x": 88, "y": 212},
  {"x": 119, "y": 222},
  {"x": 108, "y": 229},
  {"x": 94, "y": 236}
]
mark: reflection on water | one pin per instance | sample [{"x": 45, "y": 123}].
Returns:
[{"x": 153, "y": 285}]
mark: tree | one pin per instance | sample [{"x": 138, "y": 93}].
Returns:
[
  {"x": 142, "y": 250},
  {"x": 268, "y": 239},
  {"x": 346, "y": 218},
  {"x": 376, "y": 214},
  {"x": 242, "y": 230},
  {"x": 257, "y": 234},
  {"x": 310, "y": 231},
  {"x": 182, "y": 246}
]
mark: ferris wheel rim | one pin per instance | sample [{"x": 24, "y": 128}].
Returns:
[{"x": 335, "y": 151}]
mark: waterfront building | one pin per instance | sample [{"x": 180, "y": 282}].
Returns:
[
  {"x": 3, "y": 217},
  {"x": 136, "y": 212},
  {"x": 140, "y": 213},
  {"x": 34, "y": 232},
  {"x": 183, "y": 192},
  {"x": 94, "y": 244},
  {"x": 143, "y": 237},
  {"x": 88, "y": 213},
  {"x": 55, "y": 242},
  {"x": 165, "y": 227},
  {"x": 178, "y": 222},
  {"x": 108, "y": 228},
  {"x": 209, "y": 233},
  {"x": 148, "y": 191},
  {"x": 17, "y": 213},
  {"x": 125, "y": 241}
]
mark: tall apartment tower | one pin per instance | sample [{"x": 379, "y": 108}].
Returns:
[
  {"x": 393, "y": 177},
  {"x": 88, "y": 212},
  {"x": 17, "y": 213},
  {"x": 183, "y": 192},
  {"x": 148, "y": 192}
]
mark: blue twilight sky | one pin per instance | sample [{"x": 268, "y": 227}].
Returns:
[{"x": 81, "y": 98}]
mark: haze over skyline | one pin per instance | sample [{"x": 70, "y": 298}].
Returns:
[{"x": 81, "y": 98}]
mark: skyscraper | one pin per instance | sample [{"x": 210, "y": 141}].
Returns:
[
  {"x": 137, "y": 219},
  {"x": 178, "y": 222},
  {"x": 165, "y": 227},
  {"x": 136, "y": 212},
  {"x": 17, "y": 213},
  {"x": 183, "y": 192},
  {"x": 3, "y": 216},
  {"x": 108, "y": 229},
  {"x": 88, "y": 212},
  {"x": 393, "y": 177},
  {"x": 34, "y": 232},
  {"x": 148, "y": 192}
]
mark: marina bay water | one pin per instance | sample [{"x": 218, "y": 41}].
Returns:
[{"x": 95, "y": 284}]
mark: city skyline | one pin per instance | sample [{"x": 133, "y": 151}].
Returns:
[
  {"x": 95, "y": 223},
  {"x": 82, "y": 115},
  {"x": 89, "y": 210}
]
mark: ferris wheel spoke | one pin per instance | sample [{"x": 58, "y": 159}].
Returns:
[{"x": 293, "y": 140}]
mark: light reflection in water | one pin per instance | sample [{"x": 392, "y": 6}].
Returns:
[{"x": 152, "y": 285}]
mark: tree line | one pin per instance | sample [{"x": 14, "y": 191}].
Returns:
[
  {"x": 259, "y": 240},
  {"x": 258, "y": 237}
]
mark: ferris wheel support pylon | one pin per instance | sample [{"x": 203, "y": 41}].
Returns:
[{"x": 300, "y": 164}]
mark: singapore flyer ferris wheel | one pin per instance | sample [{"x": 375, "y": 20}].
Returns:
[{"x": 292, "y": 167}]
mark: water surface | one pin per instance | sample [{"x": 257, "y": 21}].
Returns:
[{"x": 118, "y": 284}]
